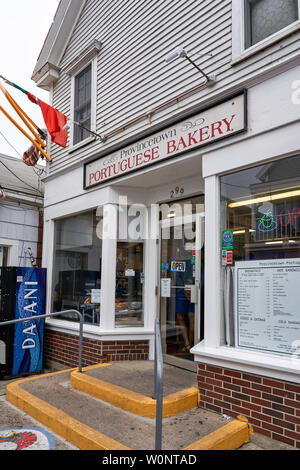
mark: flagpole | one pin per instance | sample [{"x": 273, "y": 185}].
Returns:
[
  {"x": 27, "y": 117},
  {"x": 26, "y": 93},
  {"x": 36, "y": 144},
  {"x": 22, "y": 115},
  {"x": 56, "y": 136}
]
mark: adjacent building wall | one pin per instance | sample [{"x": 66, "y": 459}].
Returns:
[{"x": 21, "y": 227}]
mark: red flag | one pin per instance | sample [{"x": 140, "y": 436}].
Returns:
[{"x": 55, "y": 121}]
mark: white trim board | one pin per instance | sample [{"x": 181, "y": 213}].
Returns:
[{"x": 261, "y": 364}]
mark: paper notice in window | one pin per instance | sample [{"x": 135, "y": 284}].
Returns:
[
  {"x": 165, "y": 289},
  {"x": 267, "y": 305},
  {"x": 96, "y": 296},
  {"x": 130, "y": 273}
]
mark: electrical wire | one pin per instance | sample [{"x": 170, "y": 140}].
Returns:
[
  {"x": 38, "y": 172},
  {"x": 20, "y": 179}
]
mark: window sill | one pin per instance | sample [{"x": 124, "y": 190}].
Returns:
[
  {"x": 95, "y": 331},
  {"x": 275, "y": 366},
  {"x": 276, "y": 37},
  {"x": 81, "y": 144}
]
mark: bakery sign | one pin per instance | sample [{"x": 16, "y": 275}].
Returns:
[{"x": 210, "y": 125}]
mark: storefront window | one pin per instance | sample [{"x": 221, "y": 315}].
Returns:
[
  {"x": 129, "y": 284},
  {"x": 77, "y": 267},
  {"x": 129, "y": 298},
  {"x": 260, "y": 221}
]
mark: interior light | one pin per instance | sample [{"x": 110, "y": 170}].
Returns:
[
  {"x": 239, "y": 232},
  {"x": 279, "y": 242},
  {"x": 258, "y": 200}
]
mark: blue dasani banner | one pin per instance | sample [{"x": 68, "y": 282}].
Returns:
[{"x": 30, "y": 301}]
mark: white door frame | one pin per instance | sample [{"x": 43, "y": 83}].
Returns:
[{"x": 199, "y": 218}]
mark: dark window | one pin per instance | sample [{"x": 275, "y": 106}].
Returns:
[
  {"x": 130, "y": 284},
  {"x": 265, "y": 17},
  {"x": 82, "y": 105},
  {"x": 3, "y": 255},
  {"x": 77, "y": 266}
]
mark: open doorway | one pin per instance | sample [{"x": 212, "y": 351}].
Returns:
[{"x": 182, "y": 280}]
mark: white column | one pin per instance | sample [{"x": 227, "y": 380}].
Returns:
[
  {"x": 108, "y": 270},
  {"x": 212, "y": 263},
  {"x": 150, "y": 299},
  {"x": 48, "y": 257}
]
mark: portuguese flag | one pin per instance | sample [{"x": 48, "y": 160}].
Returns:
[{"x": 55, "y": 121}]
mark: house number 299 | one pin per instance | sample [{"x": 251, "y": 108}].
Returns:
[{"x": 176, "y": 192}]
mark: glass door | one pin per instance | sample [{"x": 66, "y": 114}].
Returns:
[{"x": 181, "y": 287}]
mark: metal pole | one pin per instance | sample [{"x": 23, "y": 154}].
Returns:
[
  {"x": 158, "y": 387},
  {"x": 80, "y": 343},
  {"x": 155, "y": 369},
  {"x": 22, "y": 320}
]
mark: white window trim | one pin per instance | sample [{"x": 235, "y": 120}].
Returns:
[
  {"x": 263, "y": 364},
  {"x": 91, "y": 138},
  {"x": 13, "y": 251},
  {"x": 210, "y": 350},
  {"x": 107, "y": 325},
  {"x": 239, "y": 52}
]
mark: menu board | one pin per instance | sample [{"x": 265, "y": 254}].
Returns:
[{"x": 267, "y": 307}]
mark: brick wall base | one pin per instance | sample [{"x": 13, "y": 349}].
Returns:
[
  {"x": 272, "y": 406},
  {"x": 62, "y": 348}
]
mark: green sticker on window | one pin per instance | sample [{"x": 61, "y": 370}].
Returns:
[{"x": 227, "y": 240}]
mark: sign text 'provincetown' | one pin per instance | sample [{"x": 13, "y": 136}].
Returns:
[{"x": 220, "y": 121}]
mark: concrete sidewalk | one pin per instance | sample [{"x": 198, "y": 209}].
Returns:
[
  {"x": 121, "y": 429},
  {"x": 13, "y": 418}
]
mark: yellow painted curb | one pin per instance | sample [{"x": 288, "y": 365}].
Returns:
[
  {"x": 229, "y": 437},
  {"x": 133, "y": 402},
  {"x": 72, "y": 430}
]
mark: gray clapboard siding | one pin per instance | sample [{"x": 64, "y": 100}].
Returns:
[
  {"x": 139, "y": 100},
  {"x": 132, "y": 74},
  {"x": 20, "y": 223}
]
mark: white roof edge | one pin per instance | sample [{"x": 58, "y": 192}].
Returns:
[{"x": 59, "y": 34}]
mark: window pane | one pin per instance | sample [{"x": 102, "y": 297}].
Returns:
[
  {"x": 261, "y": 206},
  {"x": 3, "y": 255},
  {"x": 129, "y": 284},
  {"x": 266, "y": 17},
  {"x": 182, "y": 207},
  {"x": 82, "y": 105},
  {"x": 77, "y": 266}
]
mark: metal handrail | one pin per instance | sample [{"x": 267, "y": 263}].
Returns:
[
  {"x": 21, "y": 320},
  {"x": 158, "y": 378}
]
